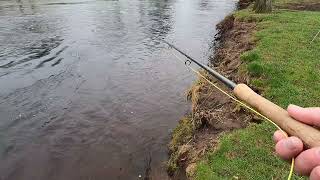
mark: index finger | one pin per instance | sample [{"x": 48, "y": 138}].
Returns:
[{"x": 309, "y": 116}]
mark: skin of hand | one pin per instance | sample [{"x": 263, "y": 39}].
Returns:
[{"x": 307, "y": 161}]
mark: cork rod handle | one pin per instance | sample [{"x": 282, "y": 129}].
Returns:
[{"x": 309, "y": 135}]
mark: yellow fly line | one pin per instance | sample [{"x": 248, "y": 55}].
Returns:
[{"x": 241, "y": 103}]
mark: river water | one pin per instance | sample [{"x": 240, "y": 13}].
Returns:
[{"x": 87, "y": 89}]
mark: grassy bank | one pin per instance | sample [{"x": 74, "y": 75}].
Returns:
[{"x": 285, "y": 65}]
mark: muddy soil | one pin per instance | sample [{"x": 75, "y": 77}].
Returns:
[{"x": 213, "y": 112}]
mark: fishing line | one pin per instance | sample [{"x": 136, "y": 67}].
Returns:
[
  {"x": 315, "y": 37},
  {"x": 239, "y": 102}
]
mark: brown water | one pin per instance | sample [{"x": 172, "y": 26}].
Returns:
[{"x": 87, "y": 90}]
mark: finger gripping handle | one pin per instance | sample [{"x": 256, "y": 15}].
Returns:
[{"x": 309, "y": 135}]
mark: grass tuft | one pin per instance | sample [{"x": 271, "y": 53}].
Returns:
[
  {"x": 250, "y": 56},
  {"x": 180, "y": 135},
  {"x": 255, "y": 69}
]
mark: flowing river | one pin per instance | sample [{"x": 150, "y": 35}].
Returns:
[{"x": 87, "y": 89}]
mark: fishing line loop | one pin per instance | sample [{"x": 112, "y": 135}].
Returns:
[{"x": 187, "y": 62}]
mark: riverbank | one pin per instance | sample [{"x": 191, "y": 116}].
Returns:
[{"x": 273, "y": 53}]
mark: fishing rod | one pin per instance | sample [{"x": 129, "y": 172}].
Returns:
[
  {"x": 308, "y": 134},
  {"x": 214, "y": 73}
]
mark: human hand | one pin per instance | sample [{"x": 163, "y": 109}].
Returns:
[{"x": 307, "y": 162}]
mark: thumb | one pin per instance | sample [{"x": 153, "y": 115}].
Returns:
[{"x": 309, "y": 116}]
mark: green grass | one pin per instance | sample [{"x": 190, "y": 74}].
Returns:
[
  {"x": 287, "y": 67},
  {"x": 244, "y": 154},
  {"x": 250, "y": 56},
  {"x": 287, "y": 62}
]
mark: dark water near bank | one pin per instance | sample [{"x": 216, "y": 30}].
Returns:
[{"x": 87, "y": 91}]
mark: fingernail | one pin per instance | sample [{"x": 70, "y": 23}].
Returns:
[
  {"x": 274, "y": 137},
  {"x": 291, "y": 143}
]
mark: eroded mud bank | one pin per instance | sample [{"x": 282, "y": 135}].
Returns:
[{"x": 212, "y": 112}]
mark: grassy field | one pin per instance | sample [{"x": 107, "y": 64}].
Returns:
[{"x": 286, "y": 65}]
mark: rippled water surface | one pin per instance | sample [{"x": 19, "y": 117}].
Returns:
[{"x": 87, "y": 89}]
